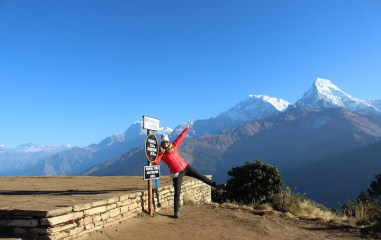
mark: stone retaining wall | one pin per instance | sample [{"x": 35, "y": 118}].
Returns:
[{"x": 77, "y": 221}]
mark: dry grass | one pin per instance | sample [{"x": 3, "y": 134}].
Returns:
[
  {"x": 188, "y": 201},
  {"x": 366, "y": 213},
  {"x": 232, "y": 206},
  {"x": 304, "y": 208},
  {"x": 307, "y": 209},
  {"x": 290, "y": 205},
  {"x": 301, "y": 210}
]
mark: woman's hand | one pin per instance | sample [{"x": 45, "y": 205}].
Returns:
[{"x": 188, "y": 125}]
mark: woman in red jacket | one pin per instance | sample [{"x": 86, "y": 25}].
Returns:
[{"x": 177, "y": 166}]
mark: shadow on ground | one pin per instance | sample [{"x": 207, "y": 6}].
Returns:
[{"x": 67, "y": 192}]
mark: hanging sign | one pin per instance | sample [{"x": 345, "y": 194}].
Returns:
[
  {"x": 151, "y": 172},
  {"x": 151, "y": 123},
  {"x": 152, "y": 148}
]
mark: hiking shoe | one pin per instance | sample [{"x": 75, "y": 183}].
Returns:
[{"x": 177, "y": 215}]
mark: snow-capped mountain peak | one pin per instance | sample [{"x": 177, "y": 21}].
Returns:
[
  {"x": 324, "y": 94},
  {"x": 2, "y": 148},
  {"x": 325, "y": 85},
  {"x": 255, "y": 107},
  {"x": 166, "y": 130},
  {"x": 279, "y": 104},
  {"x": 252, "y": 108},
  {"x": 325, "y": 90}
]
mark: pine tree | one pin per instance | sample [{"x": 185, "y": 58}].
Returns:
[{"x": 375, "y": 188}]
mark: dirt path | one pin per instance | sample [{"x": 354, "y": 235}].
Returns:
[
  {"x": 196, "y": 222},
  {"x": 213, "y": 222}
]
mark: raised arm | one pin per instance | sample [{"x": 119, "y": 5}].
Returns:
[{"x": 181, "y": 137}]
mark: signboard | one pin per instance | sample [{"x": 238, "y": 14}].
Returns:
[
  {"x": 151, "y": 172},
  {"x": 151, "y": 123},
  {"x": 152, "y": 148}
]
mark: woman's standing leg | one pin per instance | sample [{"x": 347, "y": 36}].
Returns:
[{"x": 177, "y": 185}]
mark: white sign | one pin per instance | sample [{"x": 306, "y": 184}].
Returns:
[
  {"x": 151, "y": 123},
  {"x": 151, "y": 172}
]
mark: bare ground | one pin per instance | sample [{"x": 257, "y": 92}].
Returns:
[
  {"x": 197, "y": 221},
  {"x": 218, "y": 222}
]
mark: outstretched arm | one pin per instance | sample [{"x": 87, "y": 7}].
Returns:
[
  {"x": 158, "y": 160},
  {"x": 181, "y": 137}
]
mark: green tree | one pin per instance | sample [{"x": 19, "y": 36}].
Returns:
[
  {"x": 253, "y": 182},
  {"x": 375, "y": 188},
  {"x": 364, "y": 197},
  {"x": 366, "y": 209}
]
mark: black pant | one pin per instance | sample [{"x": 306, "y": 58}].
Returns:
[{"x": 188, "y": 171}]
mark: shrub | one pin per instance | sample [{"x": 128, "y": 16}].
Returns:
[
  {"x": 365, "y": 213},
  {"x": 285, "y": 201},
  {"x": 253, "y": 182},
  {"x": 218, "y": 194},
  {"x": 364, "y": 209}
]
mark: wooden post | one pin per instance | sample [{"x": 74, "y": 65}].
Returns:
[
  {"x": 150, "y": 209},
  {"x": 150, "y": 124}
]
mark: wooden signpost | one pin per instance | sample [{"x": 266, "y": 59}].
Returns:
[{"x": 152, "y": 151}]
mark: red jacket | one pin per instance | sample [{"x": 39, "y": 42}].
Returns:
[{"x": 173, "y": 160}]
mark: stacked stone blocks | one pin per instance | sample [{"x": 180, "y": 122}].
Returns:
[{"x": 77, "y": 221}]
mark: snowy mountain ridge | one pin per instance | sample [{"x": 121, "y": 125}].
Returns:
[
  {"x": 252, "y": 108},
  {"x": 324, "y": 94},
  {"x": 34, "y": 148},
  {"x": 279, "y": 104},
  {"x": 134, "y": 131},
  {"x": 375, "y": 103},
  {"x": 255, "y": 107},
  {"x": 2, "y": 148}
]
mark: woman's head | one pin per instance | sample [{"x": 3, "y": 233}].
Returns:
[
  {"x": 165, "y": 145},
  {"x": 164, "y": 138}
]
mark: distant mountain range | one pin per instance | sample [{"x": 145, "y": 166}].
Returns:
[
  {"x": 316, "y": 143},
  {"x": 253, "y": 108},
  {"x": 19, "y": 160},
  {"x": 309, "y": 143},
  {"x": 76, "y": 160}
]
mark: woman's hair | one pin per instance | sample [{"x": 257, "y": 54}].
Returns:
[{"x": 169, "y": 149}]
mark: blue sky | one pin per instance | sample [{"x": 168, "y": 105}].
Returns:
[{"x": 78, "y": 71}]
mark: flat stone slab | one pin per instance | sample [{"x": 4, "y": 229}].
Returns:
[{"x": 52, "y": 195}]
